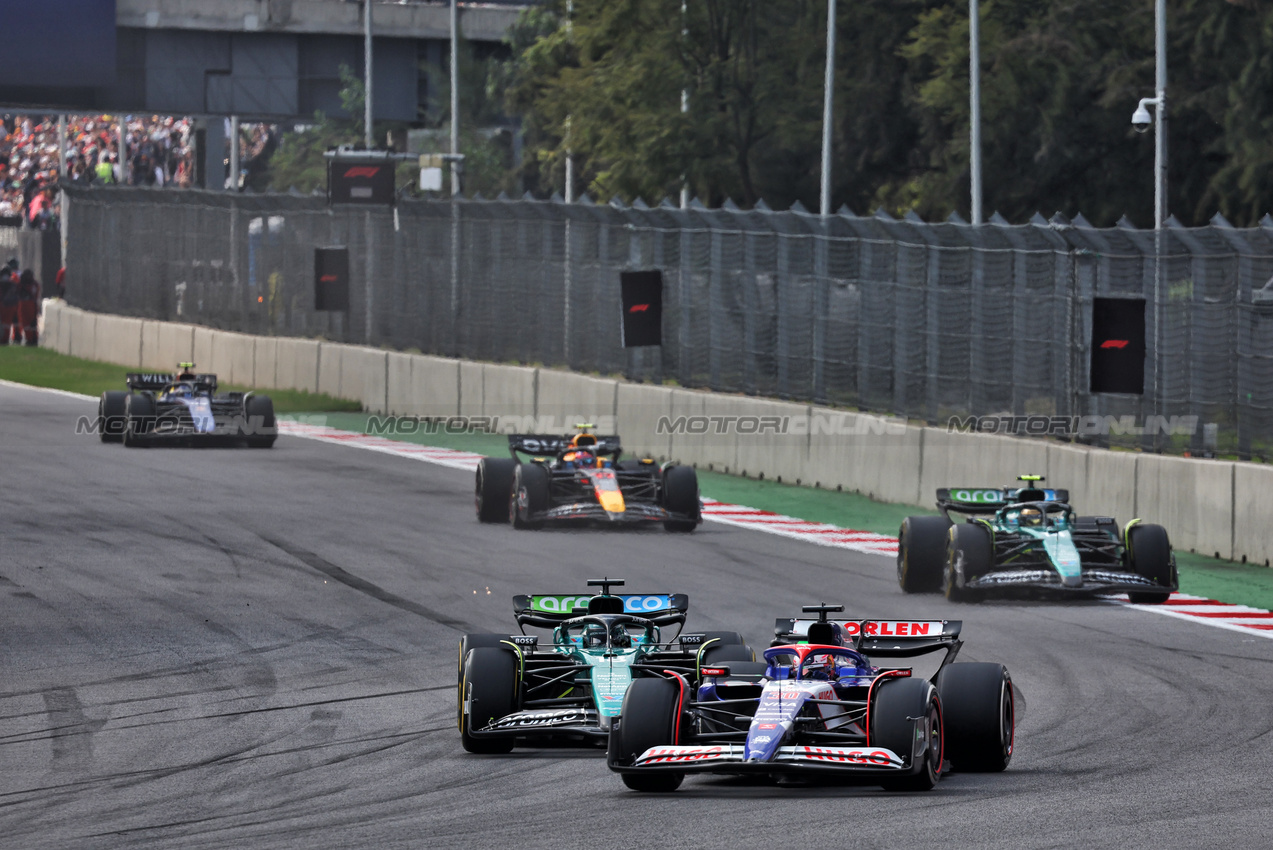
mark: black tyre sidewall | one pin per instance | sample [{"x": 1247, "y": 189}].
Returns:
[
  {"x": 111, "y": 416},
  {"x": 894, "y": 701},
  {"x": 921, "y": 553},
  {"x": 973, "y": 541},
  {"x": 261, "y": 406},
  {"x": 648, "y": 718},
  {"x": 1149, "y": 553},
  {"x": 980, "y": 716},
  {"x": 493, "y": 488},
  {"x": 490, "y": 682},
  {"x": 139, "y": 410},
  {"x": 681, "y": 491},
  {"x": 530, "y": 486}
]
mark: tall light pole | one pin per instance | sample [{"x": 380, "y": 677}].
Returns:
[
  {"x": 455, "y": 95},
  {"x": 685, "y": 103},
  {"x": 974, "y": 105},
  {"x": 366, "y": 73},
  {"x": 824, "y": 202},
  {"x": 1140, "y": 120}
]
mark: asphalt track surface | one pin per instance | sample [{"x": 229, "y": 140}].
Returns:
[{"x": 226, "y": 648}]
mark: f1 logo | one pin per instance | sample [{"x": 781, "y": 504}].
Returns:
[
  {"x": 638, "y": 308},
  {"x": 1114, "y": 343},
  {"x": 367, "y": 171}
]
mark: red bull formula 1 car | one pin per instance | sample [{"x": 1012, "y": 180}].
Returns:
[
  {"x": 582, "y": 478},
  {"x": 818, "y": 705},
  {"x": 184, "y": 409}
]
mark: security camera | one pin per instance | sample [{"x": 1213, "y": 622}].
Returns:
[{"x": 1141, "y": 119}]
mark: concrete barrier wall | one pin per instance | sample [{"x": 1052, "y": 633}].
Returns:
[
  {"x": 564, "y": 399},
  {"x": 420, "y": 385},
  {"x": 362, "y": 377},
  {"x": 1252, "y": 541},
  {"x": 638, "y": 408},
  {"x": 83, "y": 332},
  {"x": 296, "y": 364},
  {"x": 873, "y": 455},
  {"x": 264, "y": 361},
  {"x": 781, "y": 456},
  {"x": 1211, "y": 507},
  {"x": 507, "y": 391},
  {"x": 1192, "y": 498}
]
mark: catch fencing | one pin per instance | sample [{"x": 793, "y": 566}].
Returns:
[{"x": 927, "y": 321}]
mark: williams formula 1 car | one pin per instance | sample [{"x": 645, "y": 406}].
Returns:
[
  {"x": 511, "y": 687},
  {"x": 818, "y": 705},
  {"x": 184, "y": 409},
  {"x": 1028, "y": 539},
  {"x": 582, "y": 478}
]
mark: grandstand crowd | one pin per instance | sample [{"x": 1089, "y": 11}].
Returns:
[{"x": 158, "y": 151}]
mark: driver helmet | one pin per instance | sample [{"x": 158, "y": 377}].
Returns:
[
  {"x": 619, "y": 637},
  {"x": 820, "y": 667},
  {"x": 1031, "y": 516},
  {"x": 579, "y": 458},
  {"x": 594, "y": 636}
]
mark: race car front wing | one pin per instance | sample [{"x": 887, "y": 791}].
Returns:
[{"x": 864, "y": 761}]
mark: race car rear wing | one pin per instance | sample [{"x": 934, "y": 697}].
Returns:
[
  {"x": 986, "y": 500},
  {"x": 883, "y": 638},
  {"x": 551, "y": 444},
  {"x": 156, "y": 381},
  {"x": 551, "y": 609}
]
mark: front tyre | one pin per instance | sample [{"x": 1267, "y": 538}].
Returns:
[
  {"x": 1149, "y": 556},
  {"x": 139, "y": 411},
  {"x": 969, "y": 555},
  {"x": 980, "y": 716},
  {"x": 488, "y": 691},
  {"x": 650, "y": 717},
  {"x": 112, "y": 419},
  {"x": 680, "y": 496},
  {"x": 529, "y": 495},
  {"x": 906, "y": 717}
]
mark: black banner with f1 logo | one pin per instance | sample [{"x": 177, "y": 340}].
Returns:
[
  {"x": 352, "y": 181},
  {"x": 1118, "y": 345},
  {"x": 642, "y": 308}
]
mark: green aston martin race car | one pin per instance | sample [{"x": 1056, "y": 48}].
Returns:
[
  {"x": 1029, "y": 539},
  {"x": 512, "y": 688}
]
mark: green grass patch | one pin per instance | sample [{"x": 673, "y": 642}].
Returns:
[{"x": 42, "y": 367}]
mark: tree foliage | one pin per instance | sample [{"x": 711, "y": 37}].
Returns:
[{"x": 1059, "y": 82}]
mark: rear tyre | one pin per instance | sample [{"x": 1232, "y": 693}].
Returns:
[
  {"x": 650, "y": 717},
  {"x": 680, "y": 496},
  {"x": 139, "y": 411},
  {"x": 968, "y": 548},
  {"x": 716, "y": 654},
  {"x": 529, "y": 495},
  {"x": 906, "y": 716},
  {"x": 112, "y": 420},
  {"x": 980, "y": 716},
  {"x": 494, "y": 487},
  {"x": 1149, "y": 555},
  {"x": 262, "y": 427},
  {"x": 921, "y": 553},
  {"x": 489, "y": 687}
]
